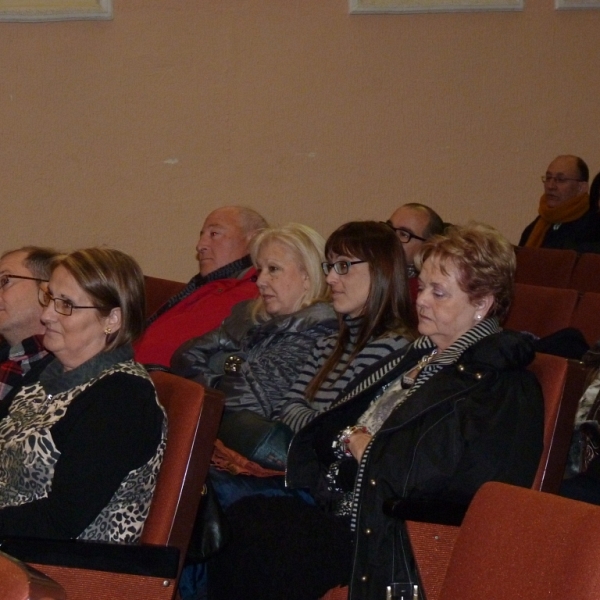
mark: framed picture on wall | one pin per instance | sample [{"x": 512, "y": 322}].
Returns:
[
  {"x": 566, "y": 4},
  {"x": 420, "y": 6},
  {"x": 55, "y": 10}
]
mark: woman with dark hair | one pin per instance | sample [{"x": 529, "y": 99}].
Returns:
[
  {"x": 366, "y": 272},
  {"x": 81, "y": 448},
  {"x": 429, "y": 426}
]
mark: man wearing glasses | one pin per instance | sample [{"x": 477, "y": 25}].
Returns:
[
  {"x": 414, "y": 224},
  {"x": 566, "y": 219},
  {"x": 22, "y": 355}
]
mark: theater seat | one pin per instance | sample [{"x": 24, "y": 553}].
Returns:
[
  {"x": 18, "y": 581},
  {"x": 586, "y": 275},
  {"x": 541, "y": 310},
  {"x": 586, "y": 317},
  {"x": 519, "y": 543},
  {"x": 158, "y": 291},
  {"x": 545, "y": 266}
]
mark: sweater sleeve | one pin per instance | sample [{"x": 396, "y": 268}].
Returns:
[
  {"x": 108, "y": 430},
  {"x": 296, "y": 411}
]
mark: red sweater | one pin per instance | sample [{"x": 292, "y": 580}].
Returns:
[{"x": 200, "y": 312}]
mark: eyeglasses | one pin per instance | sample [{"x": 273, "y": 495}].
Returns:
[
  {"x": 558, "y": 179},
  {"x": 404, "y": 234},
  {"x": 62, "y": 307},
  {"x": 341, "y": 267},
  {"x": 5, "y": 279}
]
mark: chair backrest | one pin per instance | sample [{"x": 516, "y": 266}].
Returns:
[
  {"x": 541, "y": 310},
  {"x": 545, "y": 266},
  {"x": 586, "y": 317},
  {"x": 158, "y": 291},
  {"x": 519, "y": 543},
  {"x": 193, "y": 419},
  {"x": 18, "y": 581},
  {"x": 586, "y": 275}
]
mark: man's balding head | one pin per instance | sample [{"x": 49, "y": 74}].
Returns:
[
  {"x": 225, "y": 236},
  {"x": 417, "y": 220},
  {"x": 566, "y": 177}
]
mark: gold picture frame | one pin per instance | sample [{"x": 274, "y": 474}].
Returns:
[
  {"x": 421, "y": 6},
  {"x": 55, "y": 10}
]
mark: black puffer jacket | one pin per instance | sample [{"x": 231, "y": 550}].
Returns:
[
  {"x": 271, "y": 353},
  {"x": 477, "y": 420}
]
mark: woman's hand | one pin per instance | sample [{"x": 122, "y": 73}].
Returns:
[{"x": 357, "y": 443}]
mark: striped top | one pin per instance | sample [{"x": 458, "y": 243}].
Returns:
[{"x": 297, "y": 411}]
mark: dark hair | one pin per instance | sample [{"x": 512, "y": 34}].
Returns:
[
  {"x": 112, "y": 279},
  {"x": 37, "y": 259},
  {"x": 435, "y": 225},
  {"x": 595, "y": 193},
  {"x": 485, "y": 261},
  {"x": 584, "y": 172},
  {"x": 387, "y": 307}
]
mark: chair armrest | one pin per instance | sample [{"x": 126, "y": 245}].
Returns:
[
  {"x": 142, "y": 559},
  {"x": 425, "y": 511}
]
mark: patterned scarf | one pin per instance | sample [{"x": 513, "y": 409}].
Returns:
[
  {"x": 16, "y": 361},
  {"x": 228, "y": 271}
]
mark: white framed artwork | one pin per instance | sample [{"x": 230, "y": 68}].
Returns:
[
  {"x": 55, "y": 10},
  {"x": 568, "y": 4},
  {"x": 420, "y": 6}
]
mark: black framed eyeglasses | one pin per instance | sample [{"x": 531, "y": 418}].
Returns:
[
  {"x": 404, "y": 234},
  {"x": 341, "y": 267},
  {"x": 61, "y": 306},
  {"x": 5, "y": 279},
  {"x": 559, "y": 179}
]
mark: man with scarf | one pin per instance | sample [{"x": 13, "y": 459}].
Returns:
[
  {"x": 226, "y": 277},
  {"x": 566, "y": 219}
]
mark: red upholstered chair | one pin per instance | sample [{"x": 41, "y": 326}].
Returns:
[
  {"x": 545, "y": 266},
  {"x": 18, "y": 581},
  {"x": 586, "y": 275},
  {"x": 541, "y": 310},
  {"x": 158, "y": 291},
  {"x": 586, "y": 317},
  {"x": 151, "y": 569},
  {"x": 519, "y": 543}
]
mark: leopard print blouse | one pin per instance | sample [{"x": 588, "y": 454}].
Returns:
[{"x": 28, "y": 456}]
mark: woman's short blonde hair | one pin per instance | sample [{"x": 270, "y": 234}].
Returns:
[
  {"x": 112, "y": 279},
  {"x": 485, "y": 261},
  {"x": 308, "y": 249}
]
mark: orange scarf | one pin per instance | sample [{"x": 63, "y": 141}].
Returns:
[{"x": 568, "y": 211}]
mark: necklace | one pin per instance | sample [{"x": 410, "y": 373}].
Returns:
[{"x": 408, "y": 380}]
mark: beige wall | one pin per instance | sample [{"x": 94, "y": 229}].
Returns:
[{"x": 128, "y": 132}]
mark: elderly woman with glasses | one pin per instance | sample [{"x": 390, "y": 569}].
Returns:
[
  {"x": 427, "y": 426},
  {"x": 81, "y": 448}
]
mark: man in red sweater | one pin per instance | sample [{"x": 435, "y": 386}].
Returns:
[
  {"x": 414, "y": 224},
  {"x": 226, "y": 277}
]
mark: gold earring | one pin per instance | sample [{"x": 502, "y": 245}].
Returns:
[{"x": 108, "y": 331}]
